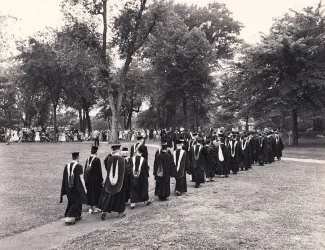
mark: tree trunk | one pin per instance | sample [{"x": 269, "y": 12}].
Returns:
[
  {"x": 54, "y": 120},
  {"x": 246, "y": 123},
  {"x": 295, "y": 127},
  {"x": 314, "y": 125},
  {"x": 185, "y": 113},
  {"x": 80, "y": 120},
  {"x": 88, "y": 122},
  {"x": 129, "y": 119}
]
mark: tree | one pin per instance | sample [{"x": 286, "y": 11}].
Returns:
[
  {"x": 42, "y": 71},
  {"x": 285, "y": 71}
]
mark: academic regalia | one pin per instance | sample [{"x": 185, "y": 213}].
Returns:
[
  {"x": 262, "y": 150},
  {"x": 189, "y": 155},
  {"x": 159, "y": 150},
  {"x": 73, "y": 188},
  {"x": 234, "y": 156},
  {"x": 244, "y": 154},
  {"x": 270, "y": 156},
  {"x": 278, "y": 148},
  {"x": 273, "y": 144},
  {"x": 134, "y": 149},
  {"x": 93, "y": 180},
  {"x": 198, "y": 164},
  {"x": 163, "y": 167},
  {"x": 222, "y": 160},
  {"x": 180, "y": 159},
  {"x": 209, "y": 161},
  {"x": 139, "y": 179},
  {"x": 250, "y": 152},
  {"x": 176, "y": 136},
  {"x": 112, "y": 198}
]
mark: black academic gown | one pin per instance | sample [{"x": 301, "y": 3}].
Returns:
[
  {"x": 160, "y": 150},
  {"x": 262, "y": 150},
  {"x": 139, "y": 181},
  {"x": 234, "y": 156},
  {"x": 270, "y": 146},
  {"x": 73, "y": 188},
  {"x": 278, "y": 147},
  {"x": 244, "y": 154},
  {"x": 223, "y": 164},
  {"x": 112, "y": 198},
  {"x": 93, "y": 180},
  {"x": 198, "y": 164},
  {"x": 209, "y": 161},
  {"x": 190, "y": 169},
  {"x": 162, "y": 171},
  {"x": 180, "y": 170}
]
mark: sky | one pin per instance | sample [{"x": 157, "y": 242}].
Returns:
[{"x": 256, "y": 15}]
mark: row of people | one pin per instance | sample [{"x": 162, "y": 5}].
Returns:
[{"x": 127, "y": 177}]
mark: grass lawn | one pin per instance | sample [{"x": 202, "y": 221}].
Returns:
[{"x": 278, "y": 206}]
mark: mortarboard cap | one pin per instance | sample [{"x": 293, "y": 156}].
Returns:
[
  {"x": 139, "y": 137},
  {"x": 94, "y": 148},
  {"x": 116, "y": 147},
  {"x": 75, "y": 154}
]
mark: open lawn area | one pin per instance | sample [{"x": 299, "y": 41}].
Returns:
[{"x": 278, "y": 206}]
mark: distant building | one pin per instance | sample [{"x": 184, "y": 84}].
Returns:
[{"x": 242, "y": 125}]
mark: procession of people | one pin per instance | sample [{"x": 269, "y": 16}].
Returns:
[{"x": 202, "y": 157}]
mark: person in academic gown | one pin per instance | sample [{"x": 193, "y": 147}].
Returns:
[
  {"x": 112, "y": 198},
  {"x": 262, "y": 149},
  {"x": 162, "y": 171},
  {"x": 234, "y": 153},
  {"x": 191, "y": 143},
  {"x": 93, "y": 179},
  {"x": 180, "y": 161},
  {"x": 159, "y": 150},
  {"x": 222, "y": 158},
  {"x": 279, "y": 146},
  {"x": 270, "y": 146},
  {"x": 198, "y": 163},
  {"x": 209, "y": 160},
  {"x": 139, "y": 178},
  {"x": 73, "y": 188},
  {"x": 250, "y": 149},
  {"x": 244, "y": 153},
  {"x": 135, "y": 147}
]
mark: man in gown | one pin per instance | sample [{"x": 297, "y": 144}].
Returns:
[
  {"x": 244, "y": 152},
  {"x": 112, "y": 198},
  {"x": 162, "y": 171},
  {"x": 209, "y": 160},
  {"x": 279, "y": 146},
  {"x": 135, "y": 147},
  {"x": 73, "y": 188},
  {"x": 159, "y": 150},
  {"x": 234, "y": 153},
  {"x": 198, "y": 163},
  {"x": 222, "y": 158},
  {"x": 139, "y": 178},
  {"x": 180, "y": 161},
  {"x": 191, "y": 143},
  {"x": 93, "y": 179},
  {"x": 262, "y": 149}
]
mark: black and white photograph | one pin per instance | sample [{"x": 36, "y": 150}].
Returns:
[{"x": 162, "y": 124}]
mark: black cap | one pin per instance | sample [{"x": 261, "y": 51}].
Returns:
[
  {"x": 180, "y": 141},
  {"x": 207, "y": 141},
  {"x": 194, "y": 134},
  {"x": 164, "y": 142},
  {"x": 116, "y": 147},
  {"x": 139, "y": 137},
  {"x": 75, "y": 154},
  {"x": 94, "y": 149}
]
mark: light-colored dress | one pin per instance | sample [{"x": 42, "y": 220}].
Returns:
[
  {"x": 63, "y": 139},
  {"x": 37, "y": 137}
]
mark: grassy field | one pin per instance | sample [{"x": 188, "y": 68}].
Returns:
[{"x": 279, "y": 206}]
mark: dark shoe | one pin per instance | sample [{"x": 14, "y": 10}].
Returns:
[
  {"x": 78, "y": 218},
  {"x": 149, "y": 202},
  {"x": 103, "y": 217}
]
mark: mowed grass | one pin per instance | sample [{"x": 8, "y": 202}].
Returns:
[
  {"x": 278, "y": 206},
  {"x": 31, "y": 175}
]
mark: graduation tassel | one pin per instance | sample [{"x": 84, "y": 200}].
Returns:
[{"x": 220, "y": 154}]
